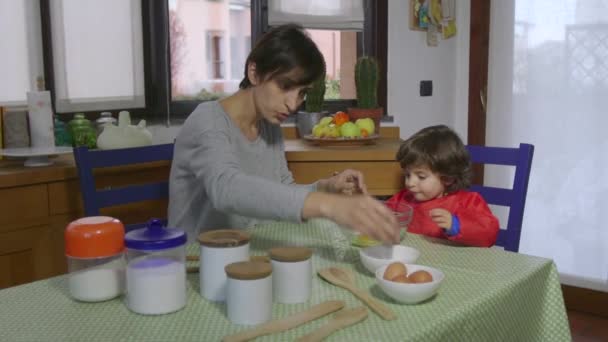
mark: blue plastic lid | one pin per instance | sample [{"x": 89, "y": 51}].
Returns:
[{"x": 155, "y": 237}]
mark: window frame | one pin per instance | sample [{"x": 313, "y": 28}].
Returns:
[
  {"x": 49, "y": 72},
  {"x": 155, "y": 21},
  {"x": 374, "y": 37}
]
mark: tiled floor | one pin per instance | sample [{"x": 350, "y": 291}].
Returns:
[{"x": 587, "y": 328}]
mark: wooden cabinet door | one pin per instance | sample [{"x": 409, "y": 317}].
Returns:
[{"x": 26, "y": 255}]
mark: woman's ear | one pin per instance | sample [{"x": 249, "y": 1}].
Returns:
[{"x": 252, "y": 74}]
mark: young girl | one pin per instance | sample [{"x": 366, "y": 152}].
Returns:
[{"x": 437, "y": 171}]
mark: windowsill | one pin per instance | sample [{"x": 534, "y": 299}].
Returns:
[{"x": 163, "y": 133}]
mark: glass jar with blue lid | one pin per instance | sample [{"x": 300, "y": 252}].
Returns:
[{"x": 156, "y": 269}]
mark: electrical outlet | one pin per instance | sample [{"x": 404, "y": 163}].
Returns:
[{"x": 426, "y": 88}]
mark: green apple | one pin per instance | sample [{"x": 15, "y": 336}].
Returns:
[
  {"x": 325, "y": 121},
  {"x": 333, "y": 131},
  {"x": 366, "y": 124},
  {"x": 350, "y": 130},
  {"x": 316, "y": 130}
]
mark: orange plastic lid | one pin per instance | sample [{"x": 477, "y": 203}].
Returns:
[{"x": 94, "y": 237}]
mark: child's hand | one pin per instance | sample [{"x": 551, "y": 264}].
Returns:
[{"x": 442, "y": 217}]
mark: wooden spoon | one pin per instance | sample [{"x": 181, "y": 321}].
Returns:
[
  {"x": 342, "y": 319},
  {"x": 287, "y": 323},
  {"x": 344, "y": 278}
]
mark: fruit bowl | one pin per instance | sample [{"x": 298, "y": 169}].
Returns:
[
  {"x": 410, "y": 293},
  {"x": 342, "y": 141}
]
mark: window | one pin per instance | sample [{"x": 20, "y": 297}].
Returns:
[
  {"x": 21, "y": 48},
  {"x": 210, "y": 41},
  {"x": 339, "y": 48},
  {"x": 213, "y": 66},
  {"x": 158, "y": 57},
  {"x": 97, "y": 54},
  {"x": 214, "y": 55}
]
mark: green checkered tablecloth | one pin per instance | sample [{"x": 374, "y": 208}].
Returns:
[{"x": 487, "y": 295}]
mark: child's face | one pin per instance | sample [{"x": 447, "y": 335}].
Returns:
[{"x": 423, "y": 183}]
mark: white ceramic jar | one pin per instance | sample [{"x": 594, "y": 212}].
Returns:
[
  {"x": 156, "y": 269},
  {"x": 249, "y": 292},
  {"x": 291, "y": 274},
  {"x": 219, "y": 248}
]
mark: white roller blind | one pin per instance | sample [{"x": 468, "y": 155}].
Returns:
[
  {"x": 97, "y": 54},
  {"x": 318, "y": 14},
  {"x": 547, "y": 85},
  {"x": 20, "y": 50}
]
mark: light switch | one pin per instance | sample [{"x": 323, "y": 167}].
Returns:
[{"x": 426, "y": 88}]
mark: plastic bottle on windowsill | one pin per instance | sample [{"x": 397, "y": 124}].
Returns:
[{"x": 124, "y": 135}]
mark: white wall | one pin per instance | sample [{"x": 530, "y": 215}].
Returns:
[{"x": 410, "y": 60}]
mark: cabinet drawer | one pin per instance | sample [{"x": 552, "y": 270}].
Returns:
[
  {"x": 65, "y": 197},
  {"x": 382, "y": 178},
  {"x": 23, "y": 206}
]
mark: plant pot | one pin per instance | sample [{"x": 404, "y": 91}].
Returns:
[
  {"x": 305, "y": 121},
  {"x": 372, "y": 113}
]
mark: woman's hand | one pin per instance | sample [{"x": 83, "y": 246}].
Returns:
[
  {"x": 442, "y": 217},
  {"x": 360, "y": 213},
  {"x": 347, "y": 182}
]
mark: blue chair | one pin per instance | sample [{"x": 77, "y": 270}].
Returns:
[
  {"x": 514, "y": 198},
  {"x": 94, "y": 199}
]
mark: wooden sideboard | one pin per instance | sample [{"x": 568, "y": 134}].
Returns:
[{"x": 36, "y": 204}]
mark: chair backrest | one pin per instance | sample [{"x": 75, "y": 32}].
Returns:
[
  {"x": 94, "y": 199},
  {"x": 514, "y": 198}
]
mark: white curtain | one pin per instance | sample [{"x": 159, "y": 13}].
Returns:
[
  {"x": 20, "y": 50},
  {"x": 97, "y": 54},
  {"x": 548, "y": 85},
  {"x": 318, "y": 14}
]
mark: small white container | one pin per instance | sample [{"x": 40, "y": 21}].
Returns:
[
  {"x": 156, "y": 269},
  {"x": 94, "y": 248},
  {"x": 249, "y": 292},
  {"x": 219, "y": 248},
  {"x": 291, "y": 274}
]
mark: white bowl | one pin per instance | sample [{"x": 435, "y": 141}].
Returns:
[
  {"x": 410, "y": 293},
  {"x": 377, "y": 256}
]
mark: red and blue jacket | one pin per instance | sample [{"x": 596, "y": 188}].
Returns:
[{"x": 473, "y": 223}]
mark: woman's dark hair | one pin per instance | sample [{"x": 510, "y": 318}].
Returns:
[
  {"x": 283, "y": 49},
  {"x": 440, "y": 149}
]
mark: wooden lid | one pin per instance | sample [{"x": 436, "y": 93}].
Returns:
[
  {"x": 224, "y": 238},
  {"x": 260, "y": 258},
  {"x": 248, "y": 270},
  {"x": 290, "y": 254}
]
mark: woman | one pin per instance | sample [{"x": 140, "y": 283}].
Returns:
[{"x": 229, "y": 164}]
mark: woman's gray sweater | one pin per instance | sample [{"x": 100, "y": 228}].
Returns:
[{"x": 219, "y": 179}]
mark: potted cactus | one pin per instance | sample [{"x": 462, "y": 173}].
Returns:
[
  {"x": 367, "y": 75},
  {"x": 313, "y": 108}
]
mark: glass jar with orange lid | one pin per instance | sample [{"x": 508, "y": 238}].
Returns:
[{"x": 94, "y": 247}]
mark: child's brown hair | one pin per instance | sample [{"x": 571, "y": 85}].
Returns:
[{"x": 441, "y": 150}]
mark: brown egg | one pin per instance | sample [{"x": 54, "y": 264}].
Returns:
[
  {"x": 394, "y": 270},
  {"x": 402, "y": 278},
  {"x": 420, "y": 277}
]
